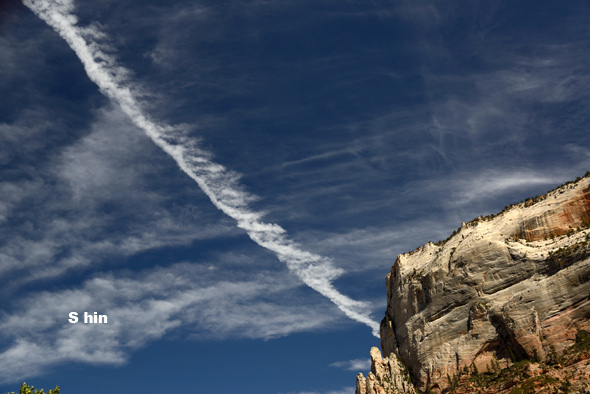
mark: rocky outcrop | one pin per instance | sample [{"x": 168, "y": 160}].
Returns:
[
  {"x": 503, "y": 288},
  {"x": 387, "y": 376}
]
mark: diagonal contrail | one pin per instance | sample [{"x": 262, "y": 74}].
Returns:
[{"x": 218, "y": 183}]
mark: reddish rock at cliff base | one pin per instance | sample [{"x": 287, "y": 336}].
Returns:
[{"x": 507, "y": 287}]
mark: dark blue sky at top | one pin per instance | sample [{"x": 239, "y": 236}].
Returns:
[{"x": 364, "y": 128}]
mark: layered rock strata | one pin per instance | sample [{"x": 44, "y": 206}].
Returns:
[{"x": 502, "y": 288}]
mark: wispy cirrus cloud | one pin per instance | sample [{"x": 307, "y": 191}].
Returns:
[
  {"x": 145, "y": 307},
  {"x": 493, "y": 183},
  {"x": 474, "y": 188},
  {"x": 61, "y": 212},
  {"x": 219, "y": 184}
]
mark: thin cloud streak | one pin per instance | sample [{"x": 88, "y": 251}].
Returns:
[
  {"x": 358, "y": 364},
  {"x": 218, "y": 183},
  {"x": 464, "y": 189}
]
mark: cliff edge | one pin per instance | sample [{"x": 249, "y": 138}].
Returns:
[{"x": 502, "y": 289}]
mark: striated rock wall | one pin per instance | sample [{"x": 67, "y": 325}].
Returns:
[{"x": 511, "y": 286}]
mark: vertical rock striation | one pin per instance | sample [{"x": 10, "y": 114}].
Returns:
[{"x": 510, "y": 286}]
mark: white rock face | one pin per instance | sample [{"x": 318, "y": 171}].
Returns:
[{"x": 509, "y": 286}]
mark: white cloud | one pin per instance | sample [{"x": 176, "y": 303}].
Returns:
[
  {"x": 492, "y": 183},
  {"x": 468, "y": 189},
  {"x": 146, "y": 306},
  {"x": 358, "y": 364},
  {"x": 67, "y": 214},
  {"x": 218, "y": 183}
]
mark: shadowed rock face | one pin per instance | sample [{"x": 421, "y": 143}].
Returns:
[{"x": 511, "y": 286}]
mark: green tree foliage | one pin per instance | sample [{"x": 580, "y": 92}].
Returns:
[{"x": 26, "y": 389}]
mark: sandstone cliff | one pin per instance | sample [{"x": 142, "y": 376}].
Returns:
[{"x": 507, "y": 287}]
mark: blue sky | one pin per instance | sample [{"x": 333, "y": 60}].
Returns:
[{"x": 230, "y": 181}]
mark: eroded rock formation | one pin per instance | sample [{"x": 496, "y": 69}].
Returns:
[
  {"x": 506, "y": 287},
  {"x": 387, "y": 376}
]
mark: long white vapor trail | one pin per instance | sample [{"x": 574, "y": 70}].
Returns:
[{"x": 219, "y": 184}]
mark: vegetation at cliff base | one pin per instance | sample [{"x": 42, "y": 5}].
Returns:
[{"x": 557, "y": 374}]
